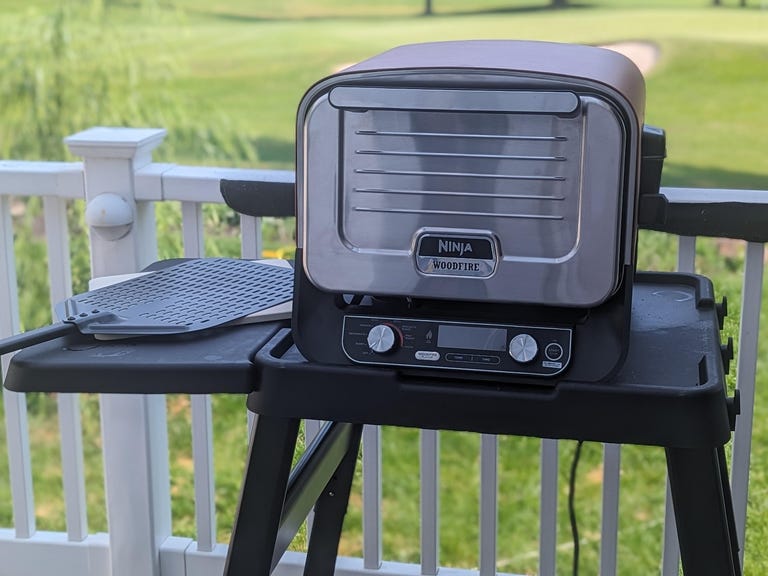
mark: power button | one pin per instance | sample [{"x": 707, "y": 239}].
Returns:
[{"x": 553, "y": 351}]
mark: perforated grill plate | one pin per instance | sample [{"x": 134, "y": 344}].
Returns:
[{"x": 193, "y": 295}]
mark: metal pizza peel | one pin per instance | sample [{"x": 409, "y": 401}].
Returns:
[{"x": 191, "y": 296}]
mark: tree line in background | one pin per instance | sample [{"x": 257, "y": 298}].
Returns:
[
  {"x": 429, "y": 9},
  {"x": 554, "y": 3}
]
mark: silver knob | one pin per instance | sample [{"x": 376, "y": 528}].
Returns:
[
  {"x": 381, "y": 338},
  {"x": 523, "y": 348}
]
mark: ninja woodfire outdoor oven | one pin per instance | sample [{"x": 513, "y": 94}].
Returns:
[{"x": 471, "y": 206}]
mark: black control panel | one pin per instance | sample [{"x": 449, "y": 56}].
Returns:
[{"x": 501, "y": 348}]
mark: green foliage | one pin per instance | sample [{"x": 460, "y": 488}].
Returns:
[
  {"x": 33, "y": 295},
  {"x": 63, "y": 72}
]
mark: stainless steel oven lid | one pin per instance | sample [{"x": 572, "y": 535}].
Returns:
[{"x": 538, "y": 173}]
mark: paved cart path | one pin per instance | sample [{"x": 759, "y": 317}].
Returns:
[{"x": 643, "y": 54}]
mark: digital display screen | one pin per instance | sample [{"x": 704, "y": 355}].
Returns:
[{"x": 471, "y": 337}]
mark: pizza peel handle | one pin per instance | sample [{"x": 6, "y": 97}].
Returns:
[
  {"x": 32, "y": 337},
  {"x": 38, "y": 335}
]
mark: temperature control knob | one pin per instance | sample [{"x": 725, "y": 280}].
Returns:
[
  {"x": 523, "y": 348},
  {"x": 382, "y": 338}
]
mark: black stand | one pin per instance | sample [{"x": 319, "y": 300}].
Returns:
[
  {"x": 669, "y": 393},
  {"x": 273, "y": 504}
]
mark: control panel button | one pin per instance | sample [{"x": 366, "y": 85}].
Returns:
[
  {"x": 523, "y": 348},
  {"x": 553, "y": 351},
  {"x": 429, "y": 355},
  {"x": 382, "y": 339},
  {"x": 486, "y": 359}
]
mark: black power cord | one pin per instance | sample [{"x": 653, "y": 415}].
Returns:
[{"x": 572, "y": 509}]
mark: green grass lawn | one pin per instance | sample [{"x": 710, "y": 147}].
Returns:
[{"x": 225, "y": 78}]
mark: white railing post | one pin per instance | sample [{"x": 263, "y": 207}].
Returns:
[
  {"x": 372, "y": 530},
  {"x": 746, "y": 372},
  {"x": 134, "y": 431},
  {"x": 430, "y": 502},
  {"x": 70, "y": 428},
  {"x": 202, "y": 411},
  {"x": 489, "y": 490},
  {"x": 550, "y": 460},
  {"x": 15, "y": 404},
  {"x": 670, "y": 555},
  {"x": 610, "y": 516}
]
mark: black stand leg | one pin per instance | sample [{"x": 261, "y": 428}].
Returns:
[
  {"x": 330, "y": 509},
  {"x": 275, "y": 500},
  {"x": 702, "y": 501},
  {"x": 252, "y": 545}
]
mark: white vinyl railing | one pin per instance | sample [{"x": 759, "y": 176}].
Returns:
[{"x": 134, "y": 433}]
